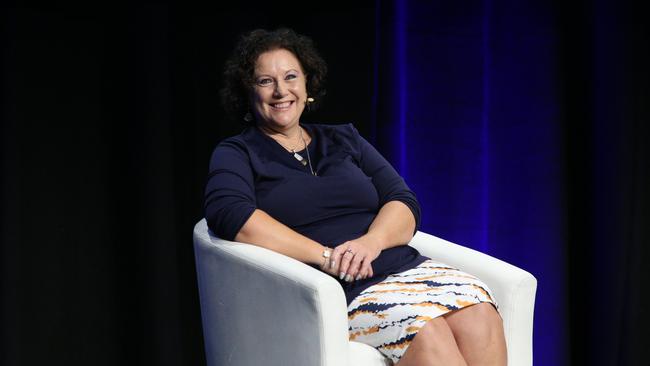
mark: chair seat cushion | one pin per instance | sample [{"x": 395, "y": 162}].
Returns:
[{"x": 363, "y": 354}]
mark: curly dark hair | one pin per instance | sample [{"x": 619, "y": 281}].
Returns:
[{"x": 238, "y": 74}]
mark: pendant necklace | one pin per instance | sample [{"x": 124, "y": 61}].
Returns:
[{"x": 300, "y": 158}]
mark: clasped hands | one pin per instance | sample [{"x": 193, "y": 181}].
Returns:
[{"x": 352, "y": 260}]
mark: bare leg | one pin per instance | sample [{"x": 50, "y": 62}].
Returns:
[
  {"x": 478, "y": 330},
  {"x": 434, "y": 344}
]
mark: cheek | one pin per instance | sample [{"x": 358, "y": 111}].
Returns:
[
  {"x": 258, "y": 99},
  {"x": 300, "y": 91}
]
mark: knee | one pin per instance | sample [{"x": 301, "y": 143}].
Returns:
[
  {"x": 434, "y": 328},
  {"x": 479, "y": 322},
  {"x": 437, "y": 338},
  {"x": 485, "y": 313}
]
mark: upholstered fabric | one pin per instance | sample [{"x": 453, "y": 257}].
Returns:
[{"x": 263, "y": 308}]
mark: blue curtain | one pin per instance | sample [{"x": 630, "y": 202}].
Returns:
[{"x": 522, "y": 128}]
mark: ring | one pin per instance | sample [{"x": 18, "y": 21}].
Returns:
[{"x": 349, "y": 251}]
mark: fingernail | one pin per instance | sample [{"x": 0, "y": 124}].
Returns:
[
  {"x": 358, "y": 278},
  {"x": 341, "y": 275},
  {"x": 348, "y": 278}
]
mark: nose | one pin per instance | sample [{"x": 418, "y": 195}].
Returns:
[{"x": 280, "y": 89}]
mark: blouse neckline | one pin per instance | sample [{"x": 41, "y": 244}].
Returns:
[{"x": 274, "y": 142}]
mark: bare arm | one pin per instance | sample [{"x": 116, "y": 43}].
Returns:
[
  {"x": 263, "y": 230},
  {"x": 393, "y": 226}
]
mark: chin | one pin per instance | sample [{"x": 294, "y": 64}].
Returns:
[{"x": 282, "y": 122}]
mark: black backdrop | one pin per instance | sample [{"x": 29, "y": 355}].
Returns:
[
  {"x": 606, "y": 109},
  {"x": 108, "y": 119}
]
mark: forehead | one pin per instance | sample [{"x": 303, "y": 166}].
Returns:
[{"x": 276, "y": 61}]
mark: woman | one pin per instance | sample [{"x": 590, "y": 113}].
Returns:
[{"x": 323, "y": 195}]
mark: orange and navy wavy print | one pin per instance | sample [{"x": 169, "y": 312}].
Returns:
[{"x": 389, "y": 314}]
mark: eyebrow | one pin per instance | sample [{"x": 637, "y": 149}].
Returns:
[{"x": 288, "y": 71}]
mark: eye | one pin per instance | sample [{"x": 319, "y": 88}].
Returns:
[
  {"x": 290, "y": 77},
  {"x": 264, "y": 81}
]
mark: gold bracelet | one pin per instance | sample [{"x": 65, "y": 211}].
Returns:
[{"x": 327, "y": 253}]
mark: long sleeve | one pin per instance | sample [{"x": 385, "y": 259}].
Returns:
[
  {"x": 230, "y": 192},
  {"x": 389, "y": 184}
]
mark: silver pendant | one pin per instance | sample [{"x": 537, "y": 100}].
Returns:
[{"x": 300, "y": 158}]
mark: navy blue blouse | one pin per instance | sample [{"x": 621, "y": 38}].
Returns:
[{"x": 252, "y": 171}]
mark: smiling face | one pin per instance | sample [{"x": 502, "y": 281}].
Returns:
[{"x": 280, "y": 91}]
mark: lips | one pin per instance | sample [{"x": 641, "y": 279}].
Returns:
[{"x": 281, "y": 106}]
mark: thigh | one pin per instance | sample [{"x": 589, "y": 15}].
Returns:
[{"x": 389, "y": 314}]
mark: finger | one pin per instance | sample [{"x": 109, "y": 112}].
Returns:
[
  {"x": 337, "y": 255},
  {"x": 355, "y": 266},
  {"x": 363, "y": 271},
  {"x": 368, "y": 272},
  {"x": 333, "y": 272},
  {"x": 340, "y": 256},
  {"x": 361, "y": 275},
  {"x": 345, "y": 263}
]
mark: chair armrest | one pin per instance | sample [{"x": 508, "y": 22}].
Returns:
[
  {"x": 513, "y": 288},
  {"x": 288, "y": 314}
]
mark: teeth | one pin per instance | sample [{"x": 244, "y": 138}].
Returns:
[{"x": 281, "y": 105}]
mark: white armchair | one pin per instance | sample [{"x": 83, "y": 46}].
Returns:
[{"x": 263, "y": 308}]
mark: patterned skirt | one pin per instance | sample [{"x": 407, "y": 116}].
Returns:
[{"x": 389, "y": 314}]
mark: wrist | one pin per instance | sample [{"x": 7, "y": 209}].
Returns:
[
  {"x": 326, "y": 256},
  {"x": 375, "y": 240}
]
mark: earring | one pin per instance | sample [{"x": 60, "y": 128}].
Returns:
[
  {"x": 248, "y": 117},
  {"x": 308, "y": 103}
]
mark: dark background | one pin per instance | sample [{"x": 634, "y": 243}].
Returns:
[{"x": 109, "y": 115}]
